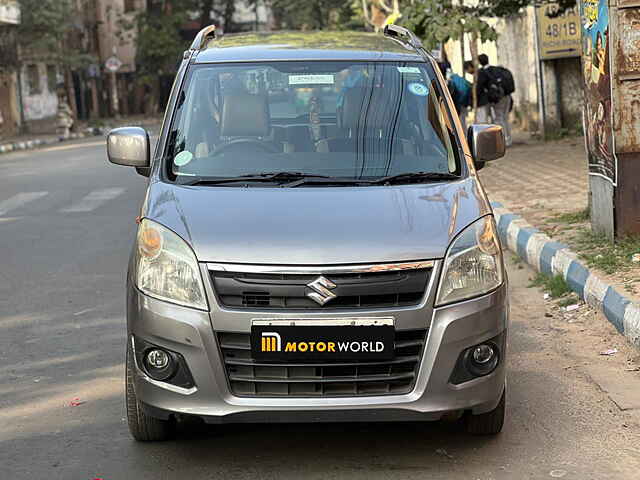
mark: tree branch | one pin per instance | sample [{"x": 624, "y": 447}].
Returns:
[
  {"x": 367, "y": 13},
  {"x": 384, "y": 6}
]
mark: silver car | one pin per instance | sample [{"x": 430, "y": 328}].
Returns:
[{"x": 315, "y": 244}]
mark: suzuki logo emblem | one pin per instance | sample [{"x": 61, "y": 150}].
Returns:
[{"x": 322, "y": 293}]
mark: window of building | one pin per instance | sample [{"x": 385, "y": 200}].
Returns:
[
  {"x": 33, "y": 79},
  {"x": 52, "y": 78},
  {"x": 129, "y": 5}
]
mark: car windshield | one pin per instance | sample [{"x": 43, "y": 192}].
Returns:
[{"x": 342, "y": 120}]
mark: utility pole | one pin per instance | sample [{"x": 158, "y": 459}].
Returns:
[
  {"x": 611, "y": 67},
  {"x": 473, "y": 47},
  {"x": 115, "y": 105}
]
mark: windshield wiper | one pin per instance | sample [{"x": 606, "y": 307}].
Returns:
[
  {"x": 324, "y": 181},
  {"x": 254, "y": 177},
  {"x": 411, "y": 177}
]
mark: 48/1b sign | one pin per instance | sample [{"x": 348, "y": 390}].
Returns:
[{"x": 559, "y": 35}]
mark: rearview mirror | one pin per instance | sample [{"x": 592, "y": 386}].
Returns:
[
  {"x": 486, "y": 143},
  {"x": 129, "y": 146}
]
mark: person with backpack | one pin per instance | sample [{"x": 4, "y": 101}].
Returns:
[
  {"x": 460, "y": 90},
  {"x": 483, "y": 109},
  {"x": 494, "y": 87},
  {"x": 501, "y": 87}
]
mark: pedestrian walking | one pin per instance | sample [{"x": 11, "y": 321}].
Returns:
[
  {"x": 494, "y": 88},
  {"x": 481, "y": 86},
  {"x": 64, "y": 118},
  {"x": 461, "y": 94}
]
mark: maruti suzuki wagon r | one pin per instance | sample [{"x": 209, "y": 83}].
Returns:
[{"x": 314, "y": 244}]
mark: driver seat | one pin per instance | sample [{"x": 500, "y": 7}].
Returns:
[{"x": 245, "y": 119}]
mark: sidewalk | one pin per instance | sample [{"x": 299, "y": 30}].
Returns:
[
  {"x": 539, "y": 180},
  {"x": 540, "y": 195},
  {"x": 28, "y": 142}
]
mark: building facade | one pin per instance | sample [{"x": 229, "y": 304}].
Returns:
[{"x": 38, "y": 87}]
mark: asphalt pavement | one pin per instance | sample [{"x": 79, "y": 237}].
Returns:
[{"x": 67, "y": 222}]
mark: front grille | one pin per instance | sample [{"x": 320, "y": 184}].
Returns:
[
  {"x": 248, "y": 378},
  {"x": 352, "y": 290}
]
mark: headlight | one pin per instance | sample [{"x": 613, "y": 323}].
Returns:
[
  {"x": 166, "y": 267},
  {"x": 473, "y": 265}
]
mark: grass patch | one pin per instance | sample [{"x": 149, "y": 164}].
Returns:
[
  {"x": 598, "y": 251},
  {"x": 574, "y": 217},
  {"x": 569, "y": 300},
  {"x": 555, "y": 286}
]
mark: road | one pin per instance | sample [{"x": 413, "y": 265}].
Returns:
[{"x": 66, "y": 227}]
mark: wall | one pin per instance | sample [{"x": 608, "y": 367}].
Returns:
[
  {"x": 39, "y": 109},
  {"x": 570, "y": 84},
  {"x": 516, "y": 50}
]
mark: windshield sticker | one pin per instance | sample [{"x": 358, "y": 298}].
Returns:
[
  {"x": 183, "y": 158},
  {"x": 419, "y": 89},
  {"x": 311, "y": 80},
  {"x": 409, "y": 70}
]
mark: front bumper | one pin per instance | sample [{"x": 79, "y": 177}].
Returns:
[{"x": 452, "y": 329}]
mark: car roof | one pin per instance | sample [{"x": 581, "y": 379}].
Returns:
[{"x": 320, "y": 45}]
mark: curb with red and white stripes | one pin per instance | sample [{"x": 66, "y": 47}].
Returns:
[{"x": 553, "y": 258}]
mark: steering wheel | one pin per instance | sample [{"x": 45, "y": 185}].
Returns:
[{"x": 243, "y": 143}]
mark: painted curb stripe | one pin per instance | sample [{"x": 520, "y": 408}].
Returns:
[
  {"x": 31, "y": 144},
  {"x": 614, "y": 306},
  {"x": 577, "y": 277},
  {"x": 524, "y": 235},
  {"x": 554, "y": 258},
  {"x": 503, "y": 225},
  {"x": 546, "y": 256}
]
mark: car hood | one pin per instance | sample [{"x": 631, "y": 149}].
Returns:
[{"x": 317, "y": 225}]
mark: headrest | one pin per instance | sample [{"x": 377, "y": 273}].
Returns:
[
  {"x": 354, "y": 108},
  {"x": 245, "y": 115},
  {"x": 375, "y": 105}
]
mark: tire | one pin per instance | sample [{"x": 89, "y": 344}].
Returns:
[
  {"x": 143, "y": 427},
  {"x": 489, "y": 423}
]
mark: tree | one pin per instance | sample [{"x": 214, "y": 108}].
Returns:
[
  {"x": 437, "y": 21},
  {"x": 309, "y": 14},
  {"x": 48, "y": 29},
  {"x": 378, "y": 13},
  {"x": 159, "y": 44}
]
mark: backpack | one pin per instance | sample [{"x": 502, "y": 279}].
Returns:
[
  {"x": 501, "y": 83},
  {"x": 461, "y": 91}
]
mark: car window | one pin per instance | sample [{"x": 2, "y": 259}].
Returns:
[{"x": 361, "y": 120}]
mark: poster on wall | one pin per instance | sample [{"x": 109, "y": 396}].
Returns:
[{"x": 597, "y": 89}]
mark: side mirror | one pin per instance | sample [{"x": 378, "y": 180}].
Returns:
[
  {"x": 129, "y": 146},
  {"x": 486, "y": 142}
]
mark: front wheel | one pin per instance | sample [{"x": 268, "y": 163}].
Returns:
[
  {"x": 489, "y": 423},
  {"x": 143, "y": 427}
]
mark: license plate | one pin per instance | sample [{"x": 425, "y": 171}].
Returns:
[{"x": 322, "y": 340}]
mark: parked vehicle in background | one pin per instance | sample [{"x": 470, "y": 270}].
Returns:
[{"x": 315, "y": 244}]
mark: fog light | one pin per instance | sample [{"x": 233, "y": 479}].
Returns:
[
  {"x": 159, "y": 364},
  {"x": 482, "y": 359},
  {"x": 158, "y": 359},
  {"x": 483, "y": 354}
]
